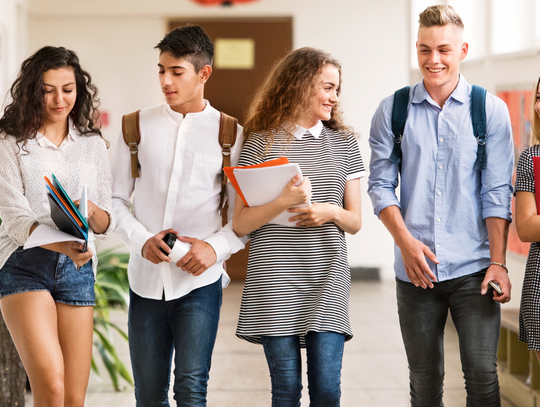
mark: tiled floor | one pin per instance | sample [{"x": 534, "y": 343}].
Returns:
[{"x": 374, "y": 368}]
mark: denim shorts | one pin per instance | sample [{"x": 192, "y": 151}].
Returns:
[{"x": 39, "y": 269}]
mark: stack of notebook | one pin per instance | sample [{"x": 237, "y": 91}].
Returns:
[
  {"x": 64, "y": 213},
  {"x": 71, "y": 221},
  {"x": 260, "y": 184}
]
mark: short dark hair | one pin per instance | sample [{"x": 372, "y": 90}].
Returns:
[{"x": 190, "y": 42}]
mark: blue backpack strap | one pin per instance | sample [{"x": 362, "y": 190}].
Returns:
[
  {"x": 399, "y": 117},
  {"x": 478, "y": 116}
]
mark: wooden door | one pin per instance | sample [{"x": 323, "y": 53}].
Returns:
[{"x": 231, "y": 89}]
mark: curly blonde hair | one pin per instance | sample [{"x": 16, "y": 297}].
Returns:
[
  {"x": 535, "y": 119},
  {"x": 287, "y": 94}
]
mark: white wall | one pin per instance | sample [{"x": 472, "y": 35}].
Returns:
[
  {"x": 13, "y": 41},
  {"x": 115, "y": 41}
]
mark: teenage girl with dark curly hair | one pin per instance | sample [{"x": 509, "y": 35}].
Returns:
[
  {"x": 47, "y": 292},
  {"x": 297, "y": 288}
]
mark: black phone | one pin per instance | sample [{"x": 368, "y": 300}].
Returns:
[
  {"x": 496, "y": 287},
  {"x": 170, "y": 240}
]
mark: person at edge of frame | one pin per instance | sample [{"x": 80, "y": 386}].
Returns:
[{"x": 528, "y": 231}]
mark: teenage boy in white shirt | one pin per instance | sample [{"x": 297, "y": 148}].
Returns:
[{"x": 175, "y": 306}]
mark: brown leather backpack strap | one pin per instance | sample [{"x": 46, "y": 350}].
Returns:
[
  {"x": 132, "y": 137},
  {"x": 228, "y": 126}
]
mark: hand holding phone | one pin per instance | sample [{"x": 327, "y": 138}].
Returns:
[
  {"x": 496, "y": 287},
  {"x": 178, "y": 249}
]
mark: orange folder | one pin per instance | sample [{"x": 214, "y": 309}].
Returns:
[{"x": 230, "y": 174}]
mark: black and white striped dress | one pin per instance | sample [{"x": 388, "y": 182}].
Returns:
[
  {"x": 529, "y": 310},
  {"x": 298, "y": 279}
]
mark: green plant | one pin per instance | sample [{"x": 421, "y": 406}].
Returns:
[{"x": 112, "y": 292}]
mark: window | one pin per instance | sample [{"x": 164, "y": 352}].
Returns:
[
  {"x": 537, "y": 23},
  {"x": 513, "y": 25},
  {"x": 474, "y": 16}
]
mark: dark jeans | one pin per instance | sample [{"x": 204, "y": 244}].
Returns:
[
  {"x": 324, "y": 356},
  {"x": 187, "y": 325},
  {"x": 422, "y": 316}
]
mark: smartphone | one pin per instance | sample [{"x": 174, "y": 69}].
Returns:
[
  {"x": 496, "y": 287},
  {"x": 170, "y": 240}
]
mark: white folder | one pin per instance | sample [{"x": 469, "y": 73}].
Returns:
[{"x": 263, "y": 185}]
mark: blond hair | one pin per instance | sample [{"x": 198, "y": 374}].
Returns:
[
  {"x": 287, "y": 93},
  {"x": 440, "y": 15},
  {"x": 535, "y": 119}
]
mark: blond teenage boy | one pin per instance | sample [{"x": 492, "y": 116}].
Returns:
[{"x": 450, "y": 224}]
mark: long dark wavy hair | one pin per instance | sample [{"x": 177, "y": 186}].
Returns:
[
  {"x": 23, "y": 117},
  {"x": 287, "y": 94}
]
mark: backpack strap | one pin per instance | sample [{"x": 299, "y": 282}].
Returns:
[
  {"x": 132, "y": 137},
  {"x": 399, "y": 117},
  {"x": 228, "y": 126},
  {"x": 478, "y": 116}
]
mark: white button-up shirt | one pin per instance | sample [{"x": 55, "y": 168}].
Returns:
[
  {"x": 179, "y": 187},
  {"x": 78, "y": 161}
]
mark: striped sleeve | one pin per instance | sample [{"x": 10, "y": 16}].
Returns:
[
  {"x": 356, "y": 165},
  {"x": 253, "y": 151}
]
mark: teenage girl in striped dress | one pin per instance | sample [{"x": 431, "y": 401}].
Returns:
[{"x": 297, "y": 288}]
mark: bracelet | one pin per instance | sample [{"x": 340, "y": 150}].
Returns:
[{"x": 494, "y": 263}]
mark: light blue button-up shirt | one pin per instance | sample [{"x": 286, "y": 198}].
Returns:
[{"x": 444, "y": 197}]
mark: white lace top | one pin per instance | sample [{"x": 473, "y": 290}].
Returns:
[{"x": 77, "y": 161}]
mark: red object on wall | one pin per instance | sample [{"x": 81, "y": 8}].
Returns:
[
  {"x": 519, "y": 107},
  {"x": 221, "y": 2},
  {"x": 104, "y": 116},
  {"x": 101, "y": 119}
]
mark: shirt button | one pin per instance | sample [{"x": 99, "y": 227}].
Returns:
[
  {"x": 441, "y": 139},
  {"x": 439, "y": 193},
  {"x": 440, "y": 167},
  {"x": 438, "y": 245},
  {"x": 439, "y": 220}
]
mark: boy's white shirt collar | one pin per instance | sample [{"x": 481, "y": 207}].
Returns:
[{"x": 315, "y": 131}]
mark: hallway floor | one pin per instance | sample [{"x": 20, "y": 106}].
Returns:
[{"x": 374, "y": 372}]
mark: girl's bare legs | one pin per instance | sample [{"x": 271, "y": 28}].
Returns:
[{"x": 54, "y": 341}]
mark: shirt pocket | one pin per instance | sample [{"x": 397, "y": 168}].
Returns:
[
  {"x": 467, "y": 151},
  {"x": 205, "y": 172}
]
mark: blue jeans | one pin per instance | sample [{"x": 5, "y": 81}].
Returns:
[
  {"x": 324, "y": 356},
  {"x": 156, "y": 328},
  {"x": 422, "y": 316}
]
